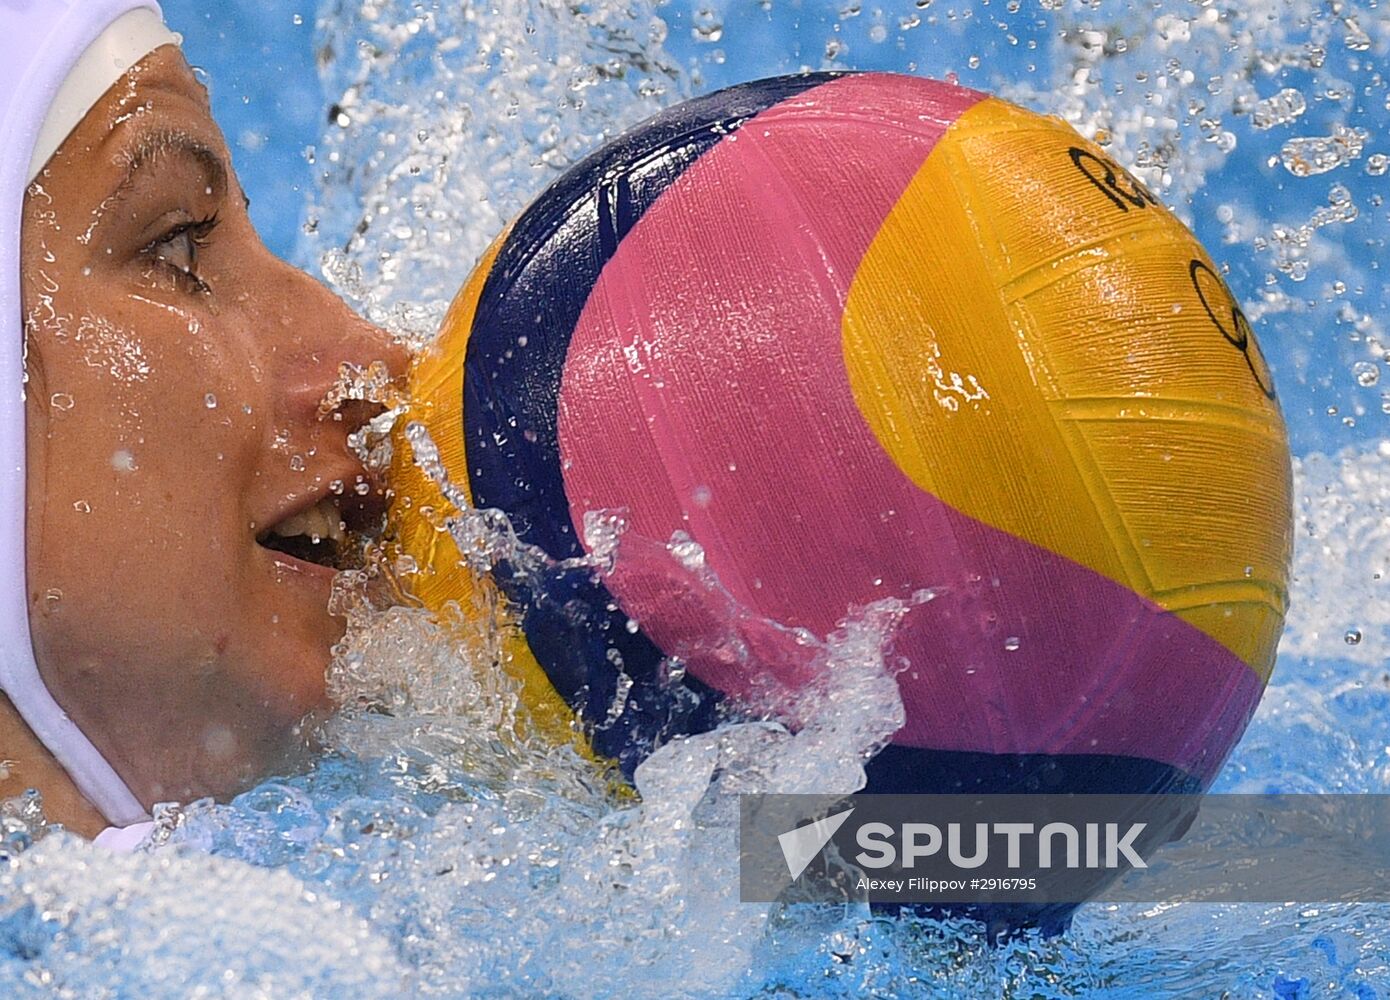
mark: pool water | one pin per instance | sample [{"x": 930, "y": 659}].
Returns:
[{"x": 429, "y": 851}]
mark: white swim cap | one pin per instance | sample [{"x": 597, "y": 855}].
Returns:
[{"x": 60, "y": 57}]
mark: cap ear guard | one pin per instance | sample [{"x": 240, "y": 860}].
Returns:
[{"x": 61, "y": 56}]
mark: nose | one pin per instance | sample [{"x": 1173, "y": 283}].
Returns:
[{"x": 332, "y": 356}]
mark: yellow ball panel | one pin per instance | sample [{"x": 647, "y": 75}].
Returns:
[
  {"x": 1031, "y": 341},
  {"x": 419, "y": 508}
]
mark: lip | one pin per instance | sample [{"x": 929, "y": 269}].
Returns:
[{"x": 299, "y": 568}]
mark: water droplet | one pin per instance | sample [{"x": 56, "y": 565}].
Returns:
[
  {"x": 1356, "y": 38},
  {"x": 62, "y": 401},
  {"x": 706, "y": 26},
  {"x": 82, "y": 507},
  {"x": 123, "y": 461},
  {"x": 1290, "y": 244},
  {"x": 674, "y": 669},
  {"x": 1367, "y": 373},
  {"x": 219, "y": 742},
  {"x": 52, "y": 597},
  {"x": 1377, "y": 164},
  {"x": 1353, "y": 637},
  {"x": 1310, "y": 155},
  {"x": 356, "y": 382},
  {"x": 1012, "y": 643},
  {"x": 210, "y": 401},
  {"x": 688, "y": 552},
  {"x": 297, "y": 463},
  {"x": 1283, "y": 107}
]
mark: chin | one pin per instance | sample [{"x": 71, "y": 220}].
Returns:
[{"x": 290, "y": 645}]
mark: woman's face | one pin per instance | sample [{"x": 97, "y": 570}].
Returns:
[{"x": 175, "y": 374}]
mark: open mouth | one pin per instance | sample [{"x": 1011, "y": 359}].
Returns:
[{"x": 331, "y": 533}]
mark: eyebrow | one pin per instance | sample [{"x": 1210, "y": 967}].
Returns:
[{"x": 153, "y": 145}]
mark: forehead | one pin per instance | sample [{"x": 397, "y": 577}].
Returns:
[
  {"x": 160, "y": 84},
  {"x": 138, "y": 118},
  {"x": 164, "y": 73},
  {"x": 158, "y": 93}
]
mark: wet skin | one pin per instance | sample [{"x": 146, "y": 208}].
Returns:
[{"x": 176, "y": 369}]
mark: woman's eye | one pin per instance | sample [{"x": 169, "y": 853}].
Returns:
[
  {"x": 179, "y": 252},
  {"x": 178, "y": 249}
]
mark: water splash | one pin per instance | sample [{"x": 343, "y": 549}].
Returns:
[
  {"x": 61, "y": 899},
  {"x": 435, "y": 797},
  {"x": 22, "y": 822},
  {"x": 412, "y": 188},
  {"x": 372, "y": 383},
  {"x": 1292, "y": 245},
  {"x": 1343, "y": 549}
]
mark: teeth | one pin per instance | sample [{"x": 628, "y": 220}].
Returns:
[{"x": 318, "y": 522}]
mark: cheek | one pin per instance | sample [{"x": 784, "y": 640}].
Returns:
[
  {"x": 145, "y": 438},
  {"x": 170, "y": 383}
]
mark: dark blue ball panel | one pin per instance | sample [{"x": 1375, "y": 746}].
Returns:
[
  {"x": 917, "y": 770},
  {"x": 531, "y": 301}
]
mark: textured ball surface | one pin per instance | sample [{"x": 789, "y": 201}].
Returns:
[{"x": 858, "y": 336}]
